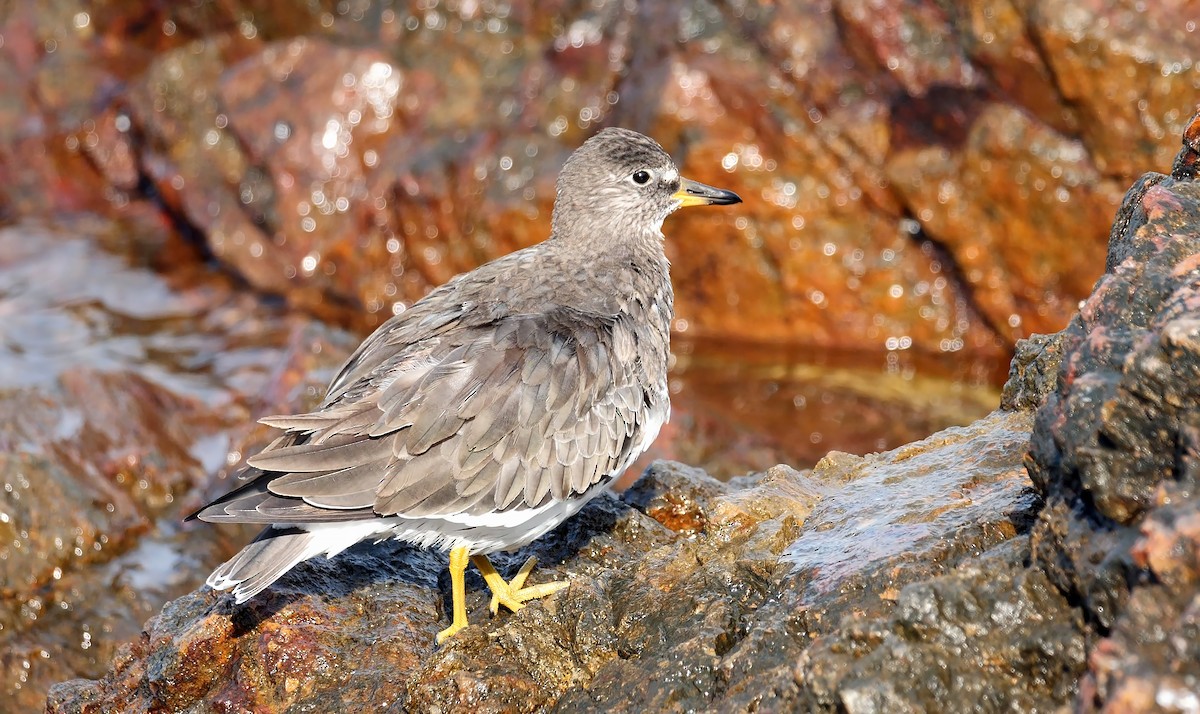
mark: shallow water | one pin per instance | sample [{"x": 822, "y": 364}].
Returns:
[
  {"x": 957, "y": 483},
  {"x": 738, "y": 408}
]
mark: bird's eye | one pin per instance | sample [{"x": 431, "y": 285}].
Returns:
[{"x": 641, "y": 177}]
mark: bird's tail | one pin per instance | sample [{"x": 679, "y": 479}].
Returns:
[
  {"x": 274, "y": 552},
  {"x": 277, "y": 550}
]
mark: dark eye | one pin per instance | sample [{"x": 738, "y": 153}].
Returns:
[{"x": 641, "y": 177}]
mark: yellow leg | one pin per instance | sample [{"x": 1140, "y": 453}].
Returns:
[
  {"x": 458, "y": 590},
  {"x": 513, "y": 595}
]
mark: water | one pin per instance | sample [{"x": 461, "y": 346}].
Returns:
[
  {"x": 955, "y": 487},
  {"x": 740, "y": 408}
]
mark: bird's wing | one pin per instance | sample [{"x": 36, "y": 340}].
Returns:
[
  {"x": 399, "y": 339},
  {"x": 481, "y": 418}
]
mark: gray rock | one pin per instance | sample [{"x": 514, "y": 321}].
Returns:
[{"x": 1114, "y": 454}]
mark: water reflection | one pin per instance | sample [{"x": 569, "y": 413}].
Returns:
[{"x": 740, "y": 408}]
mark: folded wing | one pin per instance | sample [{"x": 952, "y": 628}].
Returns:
[{"x": 471, "y": 420}]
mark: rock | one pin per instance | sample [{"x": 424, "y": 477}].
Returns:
[
  {"x": 196, "y": 648},
  {"x": 673, "y": 494},
  {"x": 122, "y": 392},
  {"x": 989, "y": 636},
  {"x": 1033, "y": 372},
  {"x": 906, "y": 166},
  {"x": 1149, "y": 659},
  {"x": 702, "y": 596},
  {"x": 1113, "y": 453},
  {"x": 1033, "y": 287},
  {"x": 130, "y": 376},
  {"x": 1128, "y": 365},
  {"x": 1088, "y": 49},
  {"x": 940, "y": 576}
]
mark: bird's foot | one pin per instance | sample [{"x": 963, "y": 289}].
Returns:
[
  {"x": 513, "y": 594},
  {"x": 451, "y": 631}
]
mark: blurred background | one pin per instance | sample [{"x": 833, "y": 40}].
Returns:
[{"x": 205, "y": 205}]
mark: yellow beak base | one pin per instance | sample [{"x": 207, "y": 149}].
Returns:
[{"x": 694, "y": 193}]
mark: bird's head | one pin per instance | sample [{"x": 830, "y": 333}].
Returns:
[{"x": 620, "y": 182}]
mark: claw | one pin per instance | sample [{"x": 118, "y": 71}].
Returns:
[
  {"x": 514, "y": 586},
  {"x": 513, "y": 595}
]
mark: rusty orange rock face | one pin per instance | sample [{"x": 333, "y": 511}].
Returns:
[{"x": 902, "y": 164}]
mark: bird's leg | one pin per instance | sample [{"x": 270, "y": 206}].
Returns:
[
  {"x": 513, "y": 595},
  {"x": 522, "y": 574},
  {"x": 458, "y": 593}
]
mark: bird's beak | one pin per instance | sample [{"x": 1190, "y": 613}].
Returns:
[{"x": 694, "y": 193}]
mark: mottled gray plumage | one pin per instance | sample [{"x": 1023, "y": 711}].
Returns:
[{"x": 493, "y": 408}]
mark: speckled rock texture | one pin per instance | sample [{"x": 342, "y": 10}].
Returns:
[
  {"x": 1114, "y": 453},
  {"x": 123, "y": 388},
  {"x": 702, "y": 594}
]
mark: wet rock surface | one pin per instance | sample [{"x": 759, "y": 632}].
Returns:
[
  {"x": 1114, "y": 452},
  {"x": 123, "y": 390},
  {"x": 130, "y": 376},
  {"x": 921, "y": 178},
  {"x": 687, "y": 593}
]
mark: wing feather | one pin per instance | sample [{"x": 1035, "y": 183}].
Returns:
[
  {"x": 347, "y": 451},
  {"x": 452, "y": 417}
]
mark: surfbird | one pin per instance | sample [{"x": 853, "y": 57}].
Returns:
[{"x": 495, "y": 407}]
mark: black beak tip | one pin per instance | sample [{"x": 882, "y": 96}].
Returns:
[
  {"x": 716, "y": 196},
  {"x": 694, "y": 193}
]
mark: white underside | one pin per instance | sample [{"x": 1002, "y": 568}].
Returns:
[
  {"x": 486, "y": 533},
  {"x": 481, "y": 534}
]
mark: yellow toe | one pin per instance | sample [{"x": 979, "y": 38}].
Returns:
[
  {"x": 513, "y": 595},
  {"x": 450, "y": 631}
]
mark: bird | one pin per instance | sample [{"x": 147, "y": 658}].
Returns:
[{"x": 495, "y": 407}]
